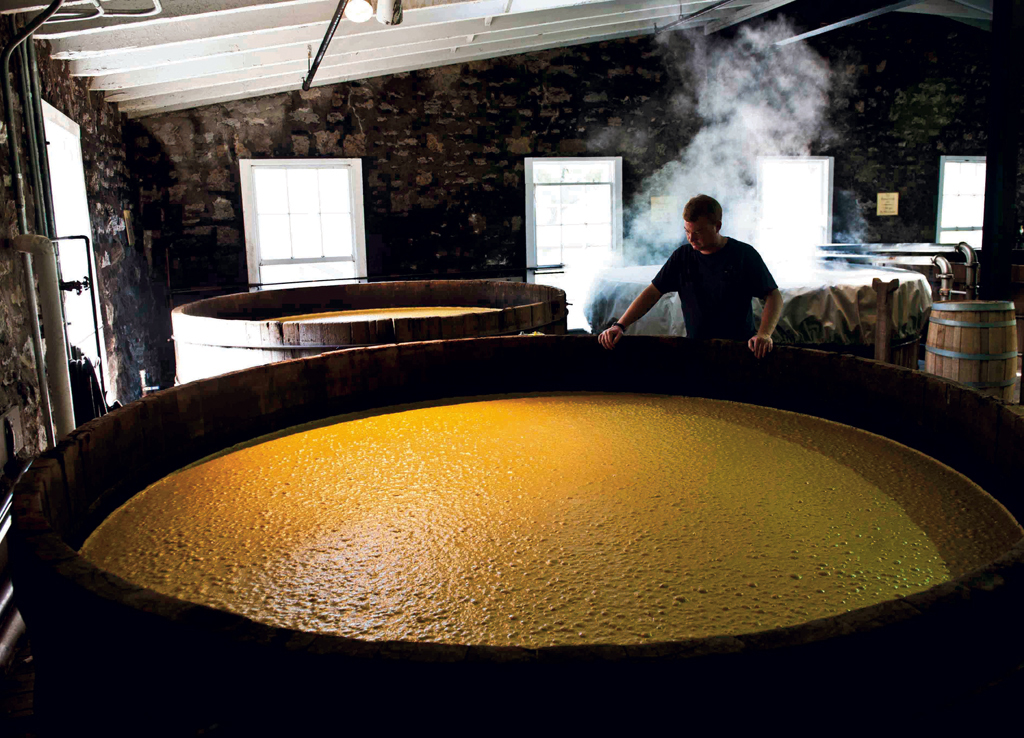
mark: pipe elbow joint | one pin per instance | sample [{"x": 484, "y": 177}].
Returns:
[
  {"x": 944, "y": 265},
  {"x": 970, "y": 257},
  {"x": 32, "y": 244}
]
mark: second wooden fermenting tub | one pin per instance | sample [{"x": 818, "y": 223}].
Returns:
[{"x": 232, "y": 332}]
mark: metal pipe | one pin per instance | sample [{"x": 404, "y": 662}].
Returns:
[
  {"x": 693, "y": 16},
  {"x": 848, "y": 22},
  {"x": 19, "y": 197},
  {"x": 945, "y": 276},
  {"x": 72, "y": 15},
  {"x": 43, "y": 157},
  {"x": 95, "y": 298},
  {"x": 331, "y": 28},
  {"x": 29, "y": 119},
  {"x": 56, "y": 351},
  {"x": 972, "y": 267}
]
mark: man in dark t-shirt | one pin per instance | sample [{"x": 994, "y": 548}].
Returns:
[{"x": 715, "y": 277}]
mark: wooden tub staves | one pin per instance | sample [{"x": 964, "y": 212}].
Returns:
[{"x": 232, "y": 332}]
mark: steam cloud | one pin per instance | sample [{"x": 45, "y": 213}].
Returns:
[{"x": 753, "y": 99}]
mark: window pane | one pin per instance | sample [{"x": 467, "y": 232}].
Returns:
[
  {"x": 547, "y": 216},
  {"x": 274, "y": 236},
  {"x": 574, "y": 236},
  {"x": 599, "y": 236},
  {"x": 306, "y": 241},
  {"x": 337, "y": 234},
  {"x": 334, "y": 191},
  {"x": 974, "y": 178},
  {"x": 581, "y": 171},
  {"x": 547, "y": 197},
  {"x": 974, "y": 210},
  {"x": 951, "y": 178},
  {"x": 303, "y": 192},
  {"x": 972, "y": 238},
  {"x": 599, "y": 203},
  {"x": 284, "y": 274},
  {"x": 547, "y": 257},
  {"x": 574, "y": 206},
  {"x": 271, "y": 188},
  {"x": 549, "y": 237},
  {"x": 547, "y": 173}
]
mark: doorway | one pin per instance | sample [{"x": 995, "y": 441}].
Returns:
[{"x": 71, "y": 214}]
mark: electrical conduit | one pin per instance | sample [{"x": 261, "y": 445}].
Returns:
[{"x": 19, "y": 195}]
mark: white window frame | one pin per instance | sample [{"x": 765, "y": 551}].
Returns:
[
  {"x": 942, "y": 192},
  {"x": 59, "y": 119},
  {"x": 252, "y": 247},
  {"x": 531, "y": 224},
  {"x": 831, "y": 176}
]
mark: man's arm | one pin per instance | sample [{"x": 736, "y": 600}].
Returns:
[
  {"x": 636, "y": 310},
  {"x": 761, "y": 343}
]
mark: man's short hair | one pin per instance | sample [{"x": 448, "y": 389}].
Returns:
[{"x": 702, "y": 205}]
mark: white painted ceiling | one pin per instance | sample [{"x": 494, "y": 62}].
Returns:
[{"x": 199, "y": 52}]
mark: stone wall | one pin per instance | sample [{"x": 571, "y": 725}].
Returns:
[
  {"x": 443, "y": 149},
  {"x": 442, "y": 153},
  {"x": 918, "y": 91},
  {"x": 136, "y": 322}
]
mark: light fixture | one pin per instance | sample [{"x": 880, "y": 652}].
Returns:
[{"x": 358, "y": 11}]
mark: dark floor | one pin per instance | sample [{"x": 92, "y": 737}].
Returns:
[{"x": 16, "y": 718}]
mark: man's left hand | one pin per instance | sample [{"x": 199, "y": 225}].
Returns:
[{"x": 760, "y": 344}]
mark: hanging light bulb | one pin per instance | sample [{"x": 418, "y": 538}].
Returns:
[{"x": 358, "y": 11}]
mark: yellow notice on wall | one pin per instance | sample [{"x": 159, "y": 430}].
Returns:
[
  {"x": 888, "y": 203},
  {"x": 665, "y": 209}
]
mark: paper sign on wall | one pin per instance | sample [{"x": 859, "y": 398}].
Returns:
[{"x": 888, "y": 203}]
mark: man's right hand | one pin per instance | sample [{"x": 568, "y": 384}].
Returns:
[{"x": 610, "y": 337}]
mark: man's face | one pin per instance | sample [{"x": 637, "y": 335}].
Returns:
[{"x": 701, "y": 233}]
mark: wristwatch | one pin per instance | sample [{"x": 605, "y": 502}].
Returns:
[{"x": 621, "y": 327}]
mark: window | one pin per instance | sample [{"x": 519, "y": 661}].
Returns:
[
  {"x": 795, "y": 204},
  {"x": 77, "y": 261},
  {"x": 303, "y": 220},
  {"x": 573, "y": 224},
  {"x": 961, "y": 200}
]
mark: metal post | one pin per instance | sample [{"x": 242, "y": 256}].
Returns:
[{"x": 1005, "y": 82}]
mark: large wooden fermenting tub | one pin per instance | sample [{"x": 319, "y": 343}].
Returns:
[
  {"x": 224, "y": 334},
  {"x": 113, "y": 654}
]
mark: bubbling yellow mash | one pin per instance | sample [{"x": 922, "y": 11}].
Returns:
[
  {"x": 351, "y": 316},
  {"x": 554, "y": 519}
]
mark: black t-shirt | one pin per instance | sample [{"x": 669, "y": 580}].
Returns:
[{"x": 715, "y": 289}]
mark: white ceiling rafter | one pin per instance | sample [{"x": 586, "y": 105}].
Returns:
[
  {"x": 402, "y": 40},
  {"x": 349, "y": 65},
  {"x": 200, "y": 52},
  {"x": 182, "y": 101}
]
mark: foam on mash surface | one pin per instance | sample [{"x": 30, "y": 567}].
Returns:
[
  {"x": 555, "y": 519},
  {"x": 351, "y": 316}
]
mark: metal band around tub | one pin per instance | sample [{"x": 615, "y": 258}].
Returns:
[
  {"x": 976, "y": 357},
  {"x": 968, "y": 307},
  {"x": 984, "y": 385},
  {"x": 965, "y": 324}
]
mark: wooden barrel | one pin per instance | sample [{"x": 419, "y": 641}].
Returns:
[{"x": 974, "y": 343}]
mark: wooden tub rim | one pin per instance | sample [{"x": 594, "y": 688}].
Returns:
[{"x": 37, "y": 537}]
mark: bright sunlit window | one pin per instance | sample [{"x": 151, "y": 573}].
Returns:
[
  {"x": 573, "y": 223},
  {"x": 795, "y": 202},
  {"x": 303, "y": 220},
  {"x": 961, "y": 200}
]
